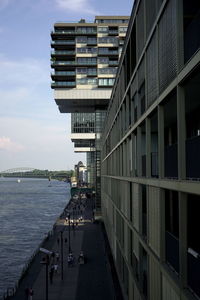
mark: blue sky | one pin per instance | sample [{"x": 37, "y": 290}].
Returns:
[{"x": 33, "y": 133}]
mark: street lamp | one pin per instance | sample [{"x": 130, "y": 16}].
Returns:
[
  {"x": 69, "y": 244},
  {"x": 61, "y": 238},
  {"x": 45, "y": 261}
]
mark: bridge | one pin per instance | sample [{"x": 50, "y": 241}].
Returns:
[
  {"x": 17, "y": 170},
  {"x": 35, "y": 173}
]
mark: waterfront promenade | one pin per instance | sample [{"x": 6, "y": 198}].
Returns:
[{"x": 95, "y": 280}]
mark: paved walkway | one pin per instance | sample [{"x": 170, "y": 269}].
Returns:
[{"x": 91, "y": 281}]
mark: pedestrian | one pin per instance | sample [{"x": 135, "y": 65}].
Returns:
[
  {"x": 69, "y": 260},
  {"x": 57, "y": 256},
  {"x": 56, "y": 268},
  {"x": 58, "y": 241},
  {"x": 51, "y": 274},
  {"x": 31, "y": 293}
]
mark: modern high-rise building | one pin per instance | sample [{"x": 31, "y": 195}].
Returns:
[
  {"x": 85, "y": 58},
  {"x": 151, "y": 154}
]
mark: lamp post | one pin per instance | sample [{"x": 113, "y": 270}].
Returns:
[
  {"x": 61, "y": 238},
  {"x": 69, "y": 244},
  {"x": 45, "y": 261}
]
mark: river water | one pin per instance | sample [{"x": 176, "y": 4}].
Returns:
[{"x": 28, "y": 210}]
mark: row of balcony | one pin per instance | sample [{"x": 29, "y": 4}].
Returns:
[
  {"x": 81, "y": 31},
  {"x": 85, "y": 71},
  {"x": 84, "y": 51},
  {"x": 106, "y": 82},
  {"x": 102, "y": 40},
  {"x": 75, "y": 62}
]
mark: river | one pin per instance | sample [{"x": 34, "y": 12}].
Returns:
[{"x": 28, "y": 210}]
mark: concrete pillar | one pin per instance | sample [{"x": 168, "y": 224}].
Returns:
[
  {"x": 148, "y": 147},
  {"x": 181, "y": 124},
  {"x": 183, "y": 238},
  {"x": 161, "y": 142}
]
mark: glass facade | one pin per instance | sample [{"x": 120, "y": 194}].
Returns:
[{"x": 83, "y": 123}]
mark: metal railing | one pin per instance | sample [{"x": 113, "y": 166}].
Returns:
[
  {"x": 56, "y": 52},
  {"x": 11, "y": 291},
  {"x": 63, "y": 83}
]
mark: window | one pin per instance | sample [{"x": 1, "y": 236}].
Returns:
[
  {"x": 106, "y": 81},
  {"x": 122, "y": 29},
  {"x": 86, "y": 60},
  {"x": 81, "y": 70},
  {"x": 103, "y": 60},
  {"x": 107, "y": 70},
  {"x": 89, "y": 81},
  {"x": 103, "y": 29},
  {"x": 81, "y": 39},
  {"x": 86, "y": 30},
  {"x": 172, "y": 229},
  {"x": 92, "y": 41},
  {"x": 87, "y": 50},
  {"x": 107, "y": 40}
]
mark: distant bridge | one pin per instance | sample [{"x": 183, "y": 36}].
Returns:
[
  {"x": 18, "y": 170},
  {"x": 33, "y": 173}
]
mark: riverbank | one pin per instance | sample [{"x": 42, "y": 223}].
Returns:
[{"x": 93, "y": 280}]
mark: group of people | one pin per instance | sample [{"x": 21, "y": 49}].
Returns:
[
  {"x": 53, "y": 266},
  {"x": 71, "y": 259}
]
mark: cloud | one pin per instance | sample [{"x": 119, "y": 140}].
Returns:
[
  {"x": 24, "y": 85},
  {"x": 76, "y": 6},
  {"x": 26, "y": 71},
  {"x": 45, "y": 144},
  {"x": 8, "y": 145}
]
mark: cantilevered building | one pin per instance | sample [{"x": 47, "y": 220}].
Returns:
[
  {"x": 151, "y": 154},
  {"x": 85, "y": 58}
]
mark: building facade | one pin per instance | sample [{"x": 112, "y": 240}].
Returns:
[
  {"x": 150, "y": 154},
  {"x": 85, "y": 60}
]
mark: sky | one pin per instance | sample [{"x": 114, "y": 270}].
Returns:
[{"x": 33, "y": 133}]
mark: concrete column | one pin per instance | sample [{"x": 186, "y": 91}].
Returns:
[
  {"x": 181, "y": 124},
  {"x": 162, "y": 225},
  {"x": 133, "y": 153},
  {"x": 148, "y": 147},
  {"x": 161, "y": 149},
  {"x": 139, "y": 151},
  {"x": 183, "y": 238}
]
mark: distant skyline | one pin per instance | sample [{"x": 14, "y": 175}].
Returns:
[{"x": 33, "y": 133}]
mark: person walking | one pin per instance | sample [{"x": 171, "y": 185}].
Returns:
[
  {"x": 51, "y": 274},
  {"x": 57, "y": 257},
  {"x": 31, "y": 294}
]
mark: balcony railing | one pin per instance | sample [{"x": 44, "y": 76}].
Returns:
[
  {"x": 63, "y": 83},
  {"x": 64, "y": 73},
  {"x": 194, "y": 272},
  {"x": 104, "y": 52},
  {"x": 172, "y": 251},
  {"x": 114, "y": 63},
  {"x": 66, "y": 52},
  {"x": 86, "y": 62},
  {"x": 63, "y": 63},
  {"x": 63, "y": 32},
  {"x": 171, "y": 161},
  {"x": 113, "y": 32},
  {"x": 61, "y": 42},
  {"x": 192, "y": 158},
  {"x": 87, "y": 50}
]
